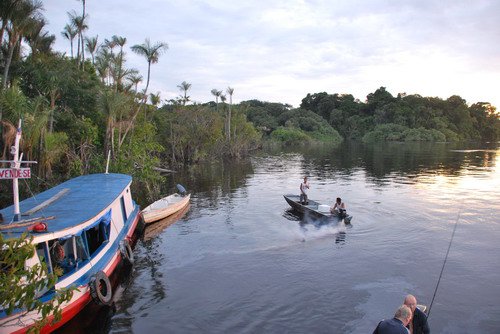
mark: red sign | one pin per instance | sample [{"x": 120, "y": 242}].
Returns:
[{"x": 10, "y": 173}]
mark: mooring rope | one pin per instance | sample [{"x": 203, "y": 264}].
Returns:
[{"x": 444, "y": 263}]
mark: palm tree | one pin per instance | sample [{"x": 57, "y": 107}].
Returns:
[
  {"x": 35, "y": 129},
  {"x": 79, "y": 22},
  {"x": 56, "y": 147},
  {"x": 39, "y": 40},
  {"x": 155, "y": 98},
  {"x": 120, "y": 41},
  {"x": 184, "y": 87},
  {"x": 152, "y": 53},
  {"x": 230, "y": 91},
  {"x": 83, "y": 8},
  {"x": 24, "y": 18},
  {"x": 103, "y": 61},
  {"x": 118, "y": 60},
  {"x": 69, "y": 33},
  {"x": 110, "y": 45},
  {"x": 216, "y": 93},
  {"x": 92, "y": 46},
  {"x": 119, "y": 74},
  {"x": 135, "y": 78},
  {"x": 7, "y": 10},
  {"x": 110, "y": 103}
]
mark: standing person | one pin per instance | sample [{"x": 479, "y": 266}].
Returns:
[
  {"x": 396, "y": 325},
  {"x": 339, "y": 208},
  {"x": 418, "y": 323},
  {"x": 304, "y": 186}
]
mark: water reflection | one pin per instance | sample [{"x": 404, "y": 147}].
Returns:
[
  {"x": 382, "y": 162},
  {"x": 154, "y": 229},
  {"x": 216, "y": 185}
]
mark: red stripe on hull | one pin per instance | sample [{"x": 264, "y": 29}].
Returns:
[
  {"x": 112, "y": 268},
  {"x": 133, "y": 227},
  {"x": 67, "y": 313}
]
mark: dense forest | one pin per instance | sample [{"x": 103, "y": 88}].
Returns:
[{"x": 78, "y": 108}]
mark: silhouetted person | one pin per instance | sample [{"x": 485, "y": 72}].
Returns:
[
  {"x": 396, "y": 325},
  {"x": 418, "y": 323}
]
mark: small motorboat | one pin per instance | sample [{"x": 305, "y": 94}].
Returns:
[
  {"x": 315, "y": 209},
  {"x": 166, "y": 206}
]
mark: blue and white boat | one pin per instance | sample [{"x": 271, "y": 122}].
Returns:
[{"x": 82, "y": 229}]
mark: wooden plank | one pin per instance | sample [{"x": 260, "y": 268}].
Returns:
[
  {"x": 26, "y": 222},
  {"x": 46, "y": 203}
]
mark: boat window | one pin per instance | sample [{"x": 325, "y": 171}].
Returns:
[
  {"x": 124, "y": 209},
  {"x": 98, "y": 234},
  {"x": 62, "y": 255},
  {"x": 42, "y": 253},
  {"x": 82, "y": 253}
]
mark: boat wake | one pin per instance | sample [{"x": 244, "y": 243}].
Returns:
[{"x": 314, "y": 230}]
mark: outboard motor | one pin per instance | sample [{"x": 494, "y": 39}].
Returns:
[{"x": 181, "y": 189}]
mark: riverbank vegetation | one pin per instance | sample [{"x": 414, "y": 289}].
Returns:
[
  {"x": 406, "y": 117},
  {"x": 80, "y": 107}
]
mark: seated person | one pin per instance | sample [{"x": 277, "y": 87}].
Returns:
[
  {"x": 339, "y": 208},
  {"x": 61, "y": 259}
]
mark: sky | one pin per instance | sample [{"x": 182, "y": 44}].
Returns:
[{"x": 281, "y": 50}]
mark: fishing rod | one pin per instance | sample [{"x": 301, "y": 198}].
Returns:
[{"x": 444, "y": 263}]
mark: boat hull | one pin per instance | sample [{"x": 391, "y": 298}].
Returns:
[
  {"x": 164, "y": 207},
  {"x": 312, "y": 209},
  {"x": 114, "y": 202}
]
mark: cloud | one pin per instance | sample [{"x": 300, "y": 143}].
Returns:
[{"x": 281, "y": 50}]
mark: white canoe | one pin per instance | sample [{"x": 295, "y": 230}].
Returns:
[{"x": 164, "y": 207}]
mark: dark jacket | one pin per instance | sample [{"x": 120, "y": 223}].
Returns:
[
  {"x": 420, "y": 325},
  {"x": 390, "y": 326}
]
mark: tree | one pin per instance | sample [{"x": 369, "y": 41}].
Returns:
[
  {"x": 155, "y": 98},
  {"x": 377, "y": 99},
  {"x": 39, "y": 41},
  {"x": 80, "y": 24},
  {"x": 83, "y": 7},
  {"x": 118, "y": 61},
  {"x": 135, "y": 79},
  {"x": 69, "y": 33},
  {"x": 92, "y": 45},
  {"x": 7, "y": 10},
  {"x": 217, "y": 94},
  {"x": 152, "y": 54},
  {"x": 184, "y": 87},
  {"x": 55, "y": 149},
  {"x": 230, "y": 91},
  {"x": 103, "y": 63},
  {"x": 23, "y": 19},
  {"x": 110, "y": 104},
  {"x": 120, "y": 41}
]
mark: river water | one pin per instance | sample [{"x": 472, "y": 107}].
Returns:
[{"x": 240, "y": 262}]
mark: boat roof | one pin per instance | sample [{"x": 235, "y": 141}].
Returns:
[{"x": 81, "y": 199}]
